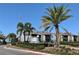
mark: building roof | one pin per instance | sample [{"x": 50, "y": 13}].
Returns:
[
  {"x": 44, "y": 33},
  {"x": 68, "y": 34}
]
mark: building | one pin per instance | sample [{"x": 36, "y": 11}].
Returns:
[
  {"x": 37, "y": 37},
  {"x": 69, "y": 38}
]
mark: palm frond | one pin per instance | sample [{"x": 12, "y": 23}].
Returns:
[
  {"x": 27, "y": 24},
  {"x": 19, "y": 31},
  {"x": 46, "y": 28},
  {"x": 48, "y": 11},
  {"x": 51, "y": 28},
  {"x": 66, "y": 30},
  {"x": 20, "y": 24},
  {"x": 46, "y": 18},
  {"x": 65, "y": 17},
  {"x": 66, "y": 12}
]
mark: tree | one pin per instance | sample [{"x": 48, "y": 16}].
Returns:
[
  {"x": 20, "y": 27},
  {"x": 11, "y": 36},
  {"x": 23, "y": 28},
  {"x": 54, "y": 17},
  {"x": 28, "y": 28},
  {"x": 2, "y": 37}
]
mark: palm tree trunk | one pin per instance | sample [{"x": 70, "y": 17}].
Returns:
[
  {"x": 57, "y": 36},
  {"x": 20, "y": 37},
  {"x": 9, "y": 40},
  {"x": 28, "y": 39},
  {"x": 24, "y": 37}
]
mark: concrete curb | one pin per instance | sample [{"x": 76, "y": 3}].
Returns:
[{"x": 40, "y": 53}]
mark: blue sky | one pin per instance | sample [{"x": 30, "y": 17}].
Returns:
[{"x": 10, "y": 13}]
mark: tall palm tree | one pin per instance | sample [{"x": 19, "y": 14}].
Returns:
[
  {"x": 54, "y": 17},
  {"x": 11, "y": 36},
  {"x": 20, "y": 27}
]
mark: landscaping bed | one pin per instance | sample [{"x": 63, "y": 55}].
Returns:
[
  {"x": 32, "y": 46},
  {"x": 62, "y": 50}
]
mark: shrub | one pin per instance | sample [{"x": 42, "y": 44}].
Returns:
[
  {"x": 75, "y": 44},
  {"x": 39, "y": 47},
  {"x": 64, "y": 43},
  {"x": 31, "y": 46},
  {"x": 13, "y": 41}
]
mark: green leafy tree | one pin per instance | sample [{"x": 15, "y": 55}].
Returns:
[{"x": 11, "y": 36}]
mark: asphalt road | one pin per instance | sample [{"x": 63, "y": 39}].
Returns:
[{"x": 4, "y": 51}]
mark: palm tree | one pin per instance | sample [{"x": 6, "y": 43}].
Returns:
[
  {"x": 11, "y": 36},
  {"x": 28, "y": 28},
  {"x": 54, "y": 17},
  {"x": 20, "y": 27},
  {"x": 23, "y": 28}
]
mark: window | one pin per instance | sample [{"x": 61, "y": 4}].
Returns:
[
  {"x": 47, "y": 37},
  {"x": 65, "y": 38},
  {"x": 34, "y": 35},
  {"x": 75, "y": 38}
]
